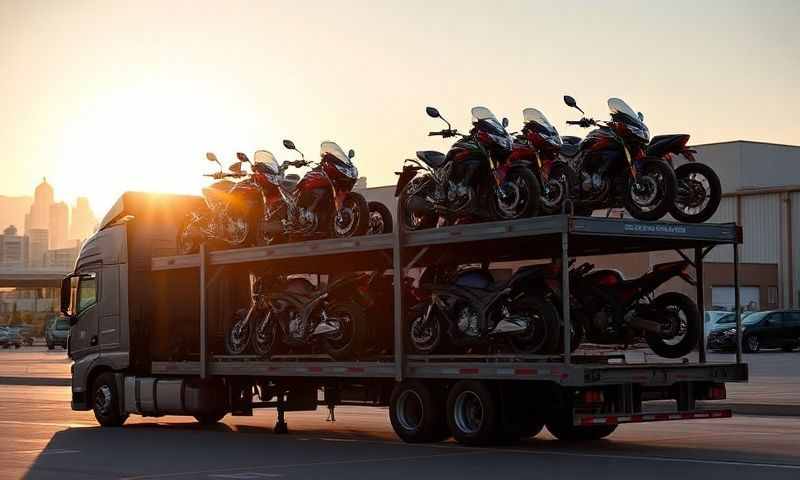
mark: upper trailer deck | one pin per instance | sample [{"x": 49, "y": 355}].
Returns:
[{"x": 492, "y": 241}]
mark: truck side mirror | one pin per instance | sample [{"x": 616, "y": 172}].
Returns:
[{"x": 66, "y": 294}]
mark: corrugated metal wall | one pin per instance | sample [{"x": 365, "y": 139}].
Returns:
[
  {"x": 761, "y": 227},
  {"x": 794, "y": 201}
]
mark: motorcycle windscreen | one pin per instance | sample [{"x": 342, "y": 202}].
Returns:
[
  {"x": 487, "y": 117},
  {"x": 343, "y": 162},
  {"x": 543, "y": 126},
  {"x": 267, "y": 159}
]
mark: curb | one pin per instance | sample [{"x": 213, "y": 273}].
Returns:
[{"x": 35, "y": 381}]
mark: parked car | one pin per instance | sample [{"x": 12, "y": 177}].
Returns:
[
  {"x": 767, "y": 329},
  {"x": 56, "y": 332},
  {"x": 10, "y": 337}
]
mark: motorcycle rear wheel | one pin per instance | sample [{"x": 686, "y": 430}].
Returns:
[
  {"x": 412, "y": 221},
  {"x": 349, "y": 341},
  {"x": 696, "y": 180},
  {"x": 558, "y": 188},
  {"x": 657, "y": 175},
  {"x": 380, "y": 219},
  {"x": 688, "y": 331},
  {"x": 543, "y": 335}
]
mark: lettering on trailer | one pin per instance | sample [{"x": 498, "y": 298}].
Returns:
[{"x": 655, "y": 228}]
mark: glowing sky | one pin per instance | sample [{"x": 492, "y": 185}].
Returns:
[{"x": 109, "y": 96}]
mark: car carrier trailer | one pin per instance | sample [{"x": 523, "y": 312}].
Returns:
[{"x": 149, "y": 341}]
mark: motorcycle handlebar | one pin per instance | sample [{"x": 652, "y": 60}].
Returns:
[{"x": 573, "y": 122}]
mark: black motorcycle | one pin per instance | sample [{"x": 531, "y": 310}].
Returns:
[
  {"x": 467, "y": 309},
  {"x": 466, "y": 184},
  {"x": 611, "y": 168},
  {"x": 292, "y": 315}
]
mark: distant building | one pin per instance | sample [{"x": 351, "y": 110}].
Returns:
[
  {"x": 13, "y": 249},
  {"x": 63, "y": 258},
  {"x": 13, "y": 210},
  {"x": 38, "y": 246},
  {"x": 58, "y": 225},
  {"x": 83, "y": 222},
  {"x": 39, "y": 215}
]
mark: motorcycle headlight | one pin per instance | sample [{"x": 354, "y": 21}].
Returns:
[
  {"x": 349, "y": 171},
  {"x": 503, "y": 141}
]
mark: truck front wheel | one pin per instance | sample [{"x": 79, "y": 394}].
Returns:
[{"x": 106, "y": 401}]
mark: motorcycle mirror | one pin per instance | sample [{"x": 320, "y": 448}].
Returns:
[
  {"x": 572, "y": 103},
  {"x": 432, "y": 112},
  {"x": 236, "y": 167},
  {"x": 242, "y": 157},
  {"x": 289, "y": 145},
  {"x": 351, "y": 153},
  {"x": 505, "y": 122},
  {"x": 211, "y": 157},
  {"x": 641, "y": 116}
]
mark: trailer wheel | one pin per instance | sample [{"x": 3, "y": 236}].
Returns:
[
  {"x": 106, "y": 401},
  {"x": 416, "y": 414},
  {"x": 473, "y": 413},
  {"x": 561, "y": 427},
  {"x": 209, "y": 418}
]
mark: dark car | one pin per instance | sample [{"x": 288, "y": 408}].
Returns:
[
  {"x": 56, "y": 333},
  {"x": 10, "y": 337},
  {"x": 768, "y": 329}
]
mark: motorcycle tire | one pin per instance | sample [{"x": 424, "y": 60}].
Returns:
[
  {"x": 652, "y": 167},
  {"x": 409, "y": 220},
  {"x": 544, "y": 335},
  {"x": 384, "y": 223},
  {"x": 712, "y": 189},
  {"x": 529, "y": 191},
  {"x": 434, "y": 339},
  {"x": 233, "y": 347},
  {"x": 563, "y": 178},
  {"x": 264, "y": 344},
  {"x": 350, "y": 340},
  {"x": 187, "y": 240},
  {"x": 690, "y": 327},
  {"x": 360, "y": 225}
]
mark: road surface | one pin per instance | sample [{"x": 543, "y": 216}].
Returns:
[{"x": 45, "y": 439}]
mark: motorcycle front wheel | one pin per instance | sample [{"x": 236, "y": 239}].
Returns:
[
  {"x": 352, "y": 219},
  {"x": 682, "y": 312},
  {"x": 380, "y": 219},
  {"x": 414, "y": 193},
  {"x": 518, "y": 196},
  {"x": 429, "y": 337},
  {"x": 348, "y": 341},
  {"x": 238, "y": 337},
  {"x": 649, "y": 196},
  {"x": 698, "y": 195}
]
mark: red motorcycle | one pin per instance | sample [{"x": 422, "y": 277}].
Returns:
[
  {"x": 474, "y": 181},
  {"x": 320, "y": 205}
]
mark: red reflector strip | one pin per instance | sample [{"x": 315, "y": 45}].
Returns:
[
  {"x": 525, "y": 371},
  {"x": 355, "y": 370},
  {"x": 655, "y": 417},
  {"x": 315, "y": 369},
  {"x": 469, "y": 371}
]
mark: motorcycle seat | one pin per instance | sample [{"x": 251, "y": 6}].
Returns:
[
  {"x": 569, "y": 150},
  {"x": 289, "y": 182},
  {"x": 432, "y": 158}
]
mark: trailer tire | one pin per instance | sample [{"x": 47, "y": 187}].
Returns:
[
  {"x": 473, "y": 413},
  {"x": 416, "y": 415},
  {"x": 106, "y": 401},
  {"x": 210, "y": 418}
]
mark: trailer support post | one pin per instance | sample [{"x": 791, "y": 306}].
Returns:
[
  {"x": 565, "y": 292},
  {"x": 203, "y": 319},
  {"x": 280, "y": 424},
  {"x": 700, "y": 290},
  {"x": 398, "y": 273},
  {"x": 737, "y": 302}
]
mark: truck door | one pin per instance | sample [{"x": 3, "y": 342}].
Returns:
[{"x": 84, "y": 332}]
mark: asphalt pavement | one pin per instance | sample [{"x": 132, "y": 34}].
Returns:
[{"x": 44, "y": 439}]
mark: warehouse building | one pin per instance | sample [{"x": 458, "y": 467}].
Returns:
[{"x": 761, "y": 192}]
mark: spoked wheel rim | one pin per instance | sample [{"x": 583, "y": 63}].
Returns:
[
  {"x": 679, "y": 325},
  {"x": 410, "y": 410},
  {"x": 694, "y": 194},
  {"x": 533, "y": 339},
  {"x": 347, "y": 219},
  {"x": 239, "y": 337},
  {"x": 424, "y": 338},
  {"x": 376, "y": 223},
  {"x": 513, "y": 197},
  {"x": 236, "y": 229},
  {"x": 645, "y": 192},
  {"x": 344, "y": 333},
  {"x": 103, "y": 400},
  {"x": 553, "y": 193},
  {"x": 264, "y": 335},
  {"x": 468, "y": 412}
]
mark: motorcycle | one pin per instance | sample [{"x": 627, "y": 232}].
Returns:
[
  {"x": 699, "y": 190},
  {"x": 321, "y": 204},
  {"x": 608, "y": 309},
  {"x": 610, "y": 168},
  {"x": 231, "y": 210},
  {"x": 469, "y": 309},
  {"x": 293, "y": 314},
  {"x": 472, "y": 181}
]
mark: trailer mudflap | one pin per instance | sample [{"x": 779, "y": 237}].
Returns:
[{"x": 616, "y": 419}]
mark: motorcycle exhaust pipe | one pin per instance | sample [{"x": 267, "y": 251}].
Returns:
[
  {"x": 510, "y": 326},
  {"x": 650, "y": 326}
]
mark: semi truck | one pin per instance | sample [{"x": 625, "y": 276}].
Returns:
[{"x": 148, "y": 326}]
